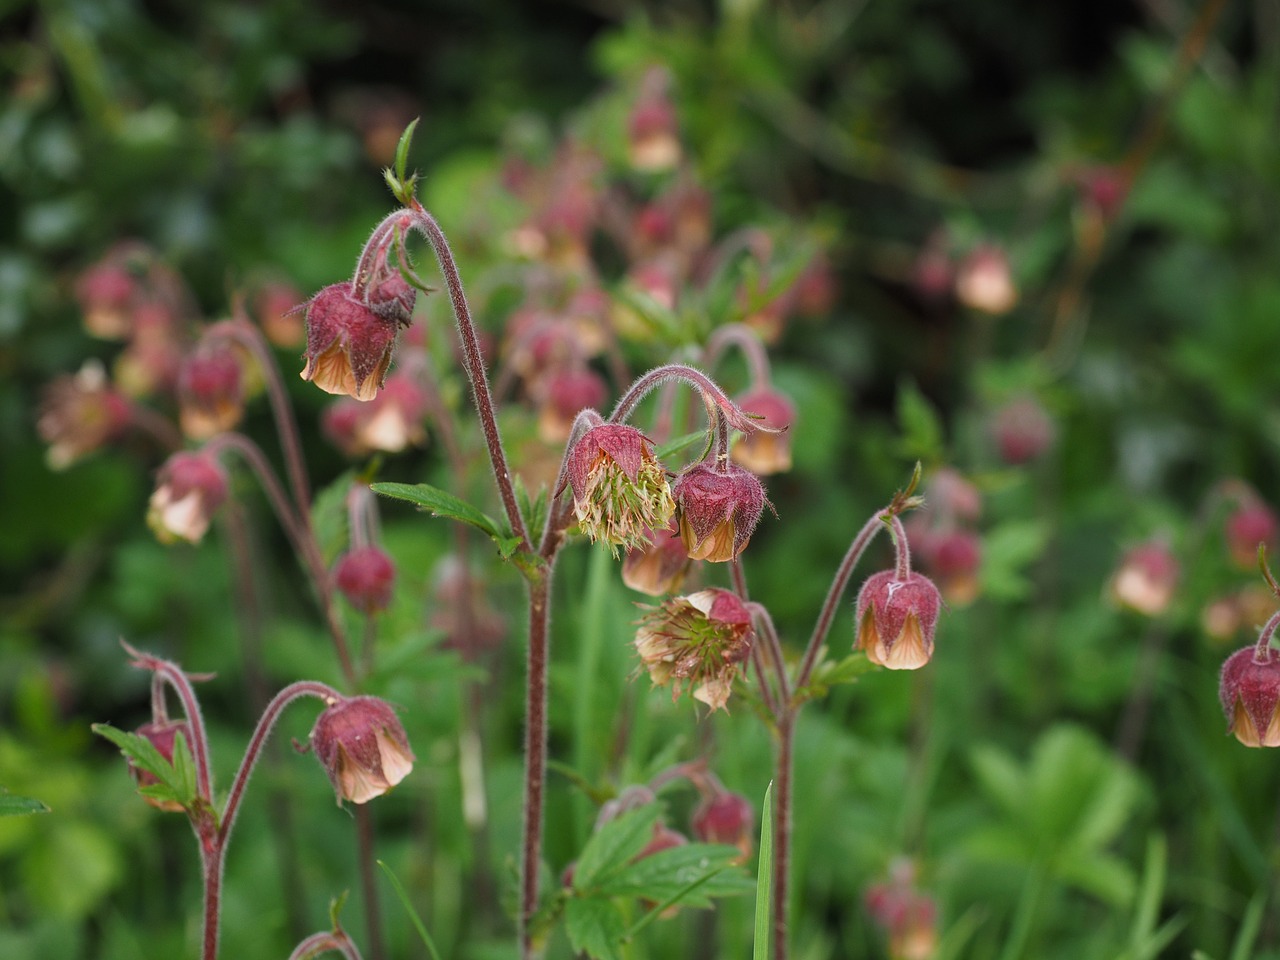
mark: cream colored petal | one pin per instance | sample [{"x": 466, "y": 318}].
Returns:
[
  {"x": 714, "y": 693},
  {"x": 909, "y": 651},
  {"x": 396, "y": 763},
  {"x": 1242, "y": 726}
]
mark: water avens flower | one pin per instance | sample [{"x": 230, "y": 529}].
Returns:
[
  {"x": 700, "y": 640},
  {"x": 190, "y": 488},
  {"x": 896, "y": 619},
  {"x": 362, "y": 747},
  {"x": 719, "y": 509},
  {"x": 620, "y": 491}
]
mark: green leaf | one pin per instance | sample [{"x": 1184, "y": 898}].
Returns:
[
  {"x": 668, "y": 873},
  {"x": 921, "y": 425},
  {"x": 441, "y": 503},
  {"x": 402, "y": 148},
  {"x": 829, "y": 673},
  {"x": 614, "y": 846},
  {"x": 177, "y": 779},
  {"x": 12, "y": 806},
  {"x": 329, "y": 516},
  {"x": 764, "y": 881},
  {"x": 595, "y": 927}
]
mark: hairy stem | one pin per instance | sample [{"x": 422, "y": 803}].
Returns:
[{"x": 535, "y": 757}]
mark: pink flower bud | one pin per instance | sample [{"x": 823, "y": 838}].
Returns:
[
  {"x": 366, "y": 576},
  {"x": 1252, "y": 523},
  {"x": 362, "y": 747},
  {"x": 210, "y": 391},
  {"x": 728, "y": 818},
  {"x": 896, "y": 619},
  {"x": 1023, "y": 430},
  {"x": 349, "y": 342},
  {"x": 658, "y": 567},
  {"x": 190, "y": 488},
  {"x": 1249, "y": 689},
  {"x": 700, "y": 639},
  {"x": 719, "y": 509},
  {"x": 652, "y": 128},
  {"x": 620, "y": 491},
  {"x": 955, "y": 557},
  {"x": 1146, "y": 579},
  {"x": 162, "y": 736},
  {"x": 907, "y": 916},
  {"x": 761, "y": 451}
]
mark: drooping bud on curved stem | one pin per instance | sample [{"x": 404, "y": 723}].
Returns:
[
  {"x": 168, "y": 672},
  {"x": 746, "y": 340},
  {"x": 710, "y": 391}
]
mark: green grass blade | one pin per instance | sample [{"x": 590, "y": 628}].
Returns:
[
  {"x": 764, "y": 879},
  {"x": 413, "y": 914}
]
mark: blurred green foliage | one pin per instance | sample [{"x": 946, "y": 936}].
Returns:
[{"x": 1058, "y": 775}]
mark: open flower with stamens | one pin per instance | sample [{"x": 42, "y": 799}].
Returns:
[
  {"x": 363, "y": 748},
  {"x": 1249, "y": 689},
  {"x": 719, "y": 509},
  {"x": 191, "y": 487},
  {"x": 79, "y": 414},
  {"x": 620, "y": 491},
  {"x": 699, "y": 640},
  {"x": 896, "y": 619}
]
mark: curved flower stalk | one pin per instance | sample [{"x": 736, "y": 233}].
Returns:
[{"x": 359, "y": 741}]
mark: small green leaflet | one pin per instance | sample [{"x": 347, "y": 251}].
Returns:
[
  {"x": 595, "y": 927},
  {"x": 442, "y": 503},
  {"x": 614, "y": 845},
  {"x": 11, "y": 806}
]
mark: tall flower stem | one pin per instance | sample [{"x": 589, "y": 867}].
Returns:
[
  {"x": 213, "y": 840},
  {"x": 535, "y": 756}
]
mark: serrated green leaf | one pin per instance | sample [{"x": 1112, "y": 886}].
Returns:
[
  {"x": 595, "y": 927},
  {"x": 663, "y": 875},
  {"x": 14, "y": 806},
  {"x": 830, "y": 673},
  {"x": 441, "y": 503},
  {"x": 614, "y": 846},
  {"x": 175, "y": 785}
]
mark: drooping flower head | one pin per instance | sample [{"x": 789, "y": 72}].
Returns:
[
  {"x": 362, "y": 747},
  {"x": 210, "y": 390},
  {"x": 1146, "y": 579},
  {"x": 1249, "y": 689},
  {"x": 719, "y": 509},
  {"x": 80, "y": 413},
  {"x": 620, "y": 491},
  {"x": 190, "y": 488},
  {"x": 350, "y": 341},
  {"x": 725, "y": 817},
  {"x": 766, "y": 451},
  {"x": 1251, "y": 523},
  {"x": 700, "y": 640},
  {"x": 658, "y": 567},
  {"x": 896, "y": 619}
]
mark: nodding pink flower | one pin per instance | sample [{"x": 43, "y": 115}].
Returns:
[
  {"x": 658, "y": 567},
  {"x": 719, "y": 508},
  {"x": 653, "y": 138},
  {"x": 765, "y": 452},
  {"x": 106, "y": 291},
  {"x": 984, "y": 281},
  {"x": 191, "y": 487},
  {"x": 908, "y": 916},
  {"x": 210, "y": 390},
  {"x": 161, "y": 735},
  {"x": 366, "y": 576},
  {"x": 725, "y": 817},
  {"x": 1251, "y": 524},
  {"x": 620, "y": 491},
  {"x": 954, "y": 559},
  {"x": 896, "y": 619},
  {"x": 1146, "y": 579},
  {"x": 1249, "y": 689},
  {"x": 350, "y": 342},
  {"x": 1023, "y": 430},
  {"x": 79, "y": 414},
  {"x": 362, "y": 747},
  {"x": 700, "y": 639},
  {"x": 277, "y": 309},
  {"x": 391, "y": 422},
  {"x": 563, "y": 394}
]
